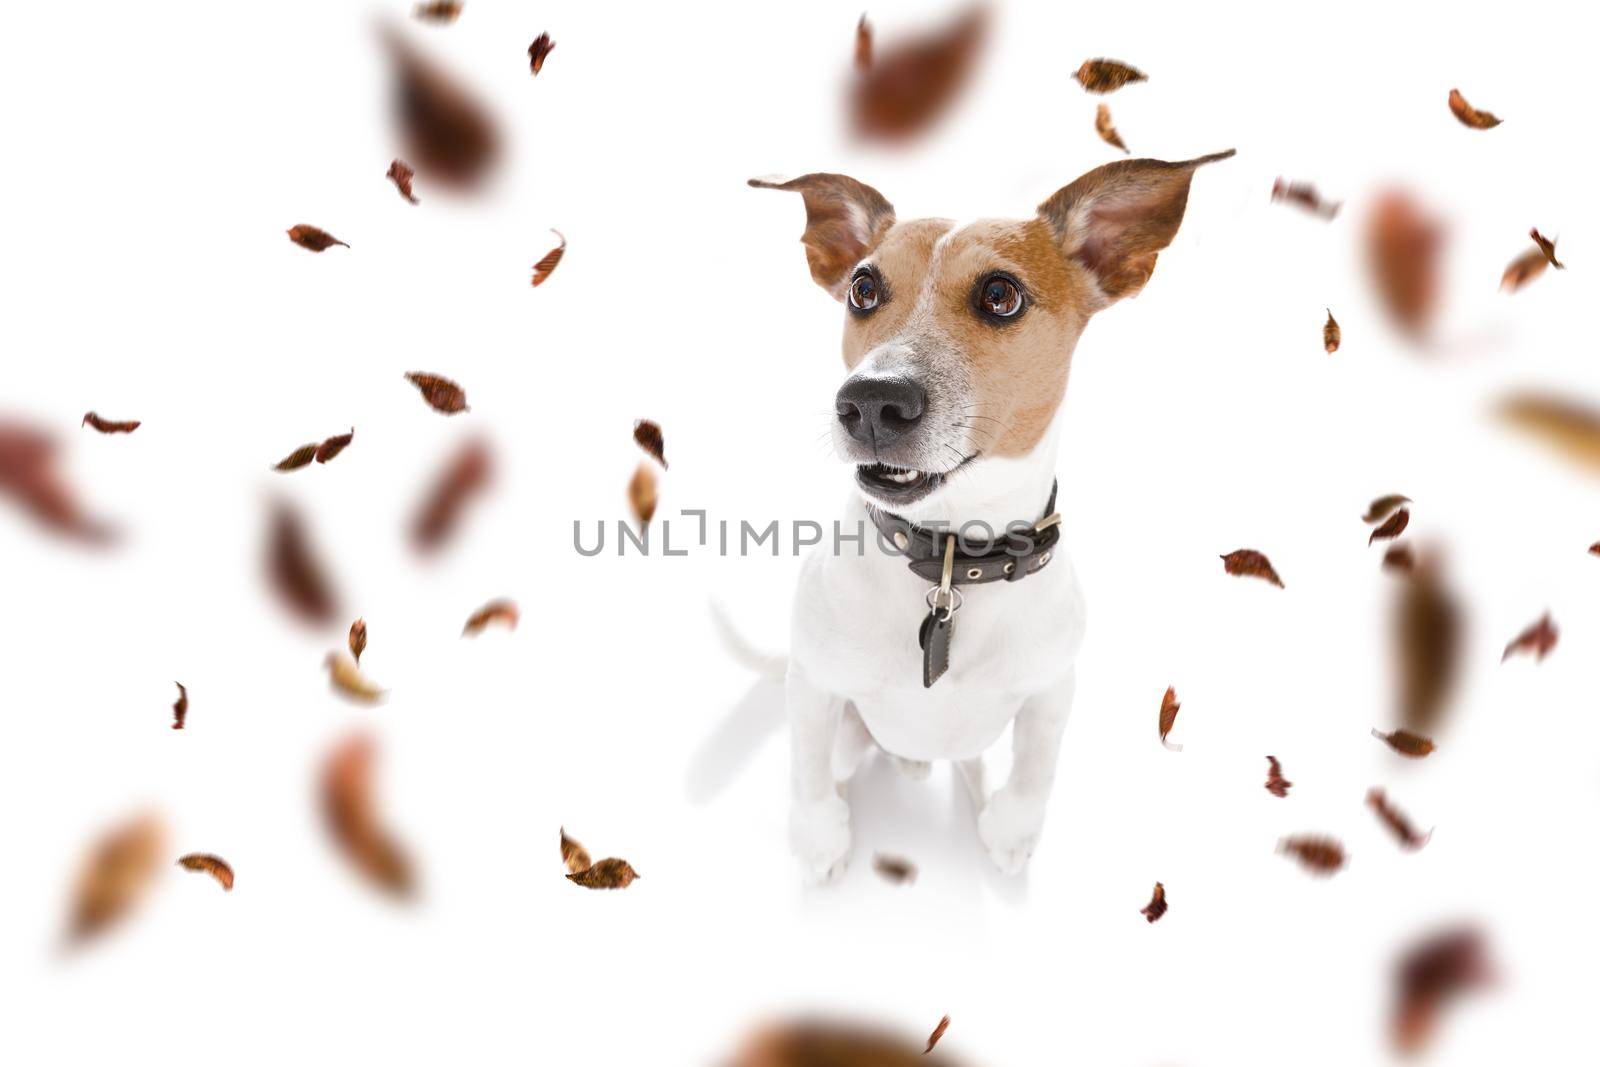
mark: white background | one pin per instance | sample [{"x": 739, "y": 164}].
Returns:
[{"x": 157, "y": 152}]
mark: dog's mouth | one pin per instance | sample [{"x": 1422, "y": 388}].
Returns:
[{"x": 902, "y": 485}]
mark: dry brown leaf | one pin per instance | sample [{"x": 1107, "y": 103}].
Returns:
[
  {"x": 1402, "y": 253},
  {"x": 1594, "y": 549},
  {"x": 938, "y": 1032},
  {"x": 546, "y": 266},
  {"x": 1469, "y": 115},
  {"x": 896, "y": 869},
  {"x": 822, "y": 1043},
  {"x": 1394, "y": 527},
  {"x": 30, "y": 475},
  {"x": 1524, "y": 269},
  {"x": 441, "y": 394},
  {"x": 215, "y": 866},
  {"x": 1569, "y": 427},
  {"x": 500, "y": 610},
  {"x": 349, "y": 808},
  {"x": 346, "y": 677},
  {"x": 334, "y": 445},
  {"x": 574, "y": 855},
  {"x": 642, "y": 493},
  {"x": 1169, "y": 716},
  {"x": 1548, "y": 247},
  {"x": 1383, "y": 507},
  {"x": 541, "y": 47},
  {"x": 437, "y": 11},
  {"x": 1330, "y": 334},
  {"x": 1427, "y": 633},
  {"x": 180, "y": 707},
  {"x": 1539, "y": 639},
  {"x": 1277, "y": 784},
  {"x": 1320, "y": 855},
  {"x": 1395, "y": 820},
  {"x": 1399, "y": 559},
  {"x": 1108, "y": 132},
  {"x": 647, "y": 435},
  {"x": 115, "y": 876},
  {"x": 1157, "y": 906},
  {"x": 1106, "y": 75},
  {"x": 605, "y": 874},
  {"x": 1428, "y": 976},
  {"x": 447, "y": 134},
  {"x": 1248, "y": 563},
  {"x": 108, "y": 425},
  {"x": 863, "y": 45},
  {"x": 312, "y": 238},
  {"x": 358, "y": 638},
  {"x": 300, "y": 457},
  {"x": 294, "y": 571},
  {"x": 1405, "y": 742},
  {"x": 1305, "y": 195},
  {"x": 464, "y": 477},
  {"x": 401, "y": 175},
  {"x": 914, "y": 80}
]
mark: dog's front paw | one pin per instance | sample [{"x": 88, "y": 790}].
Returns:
[
  {"x": 819, "y": 834},
  {"x": 1009, "y": 828}
]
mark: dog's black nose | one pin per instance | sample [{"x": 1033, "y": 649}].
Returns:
[{"x": 880, "y": 411}]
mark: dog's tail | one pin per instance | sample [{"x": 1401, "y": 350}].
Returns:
[{"x": 766, "y": 664}]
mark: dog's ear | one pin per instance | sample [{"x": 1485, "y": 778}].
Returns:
[
  {"x": 1116, "y": 218},
  {"x": 844, "y": 220}
]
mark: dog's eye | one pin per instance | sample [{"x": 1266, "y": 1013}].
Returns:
[
  {"x": 1000, "y": 297},
  {"x": 864, "y": 292}
]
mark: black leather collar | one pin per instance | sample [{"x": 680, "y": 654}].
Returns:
[{"x": 1015, "y": 554}]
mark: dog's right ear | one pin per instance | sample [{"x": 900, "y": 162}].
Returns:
[{"x": 844, "y": 221}]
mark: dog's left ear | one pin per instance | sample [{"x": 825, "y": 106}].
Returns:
[
  {"x": 1116, "y": 218},
  {"x": 845, "y": 219}
]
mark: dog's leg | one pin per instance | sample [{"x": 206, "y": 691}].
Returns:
[
  {"x": 851, "y": 743},
  {"x": 1010, "y": 822},
  {"x": 819, "y": 822},
  {"x": 972, "y": 776}
]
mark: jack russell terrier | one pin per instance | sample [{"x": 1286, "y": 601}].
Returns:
[{"x": 957, "y": 343}]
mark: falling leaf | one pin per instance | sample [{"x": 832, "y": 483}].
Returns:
[
  {"x": 1405, "y": 742},
  {"x": 29, "y": 474},
  {"x": 494, "y": 611},
  {"x": 294, "y": 571},
  {"x": 463, "y": 477},
  {"x": 1320, "y": 855},
  {"x": 1539, "y": 639},
  {"x": 334, "y": 445},
  {"x": 606, "y": 874},
  {"x": 1248, "y": 563},
  {"x": 446, "y": 133},
  {"x": 401, "y": 175},
  {"x": 1169, "y": 715},
  {"x": 1548, "y": 247},
  {"x": 107, "y": 425},
  {"x": 1277, "y": 784},
  {"x": 349, "y": 809},
  {"x": 1570, "y": 428},
  {"x": 542, "y": 46},
  {"x": 1106, "y": 75},
  {"x": 863, "y": 45},
  {"x": 1330, "y": 334},
  {"x": 300, "y": 457},
  {"x": 312, "y": 238},
  {"x": 215, "y": 866},
  {"x": 437, "y": 11},
  {"x": 358, "y": 638},
  {"x": 822, "y": 1043},
  {"x": 938, "y": 1032},
  {"x": 1108, "y": 133},
  {"x": 1469, "y": 115},
  {"x": 180, "y": 707},
  {"x": 1395, "y": 821},
  {"x": 346, "y": 676},
  {"x": 1428, "y": 976},
  {"x": 543, "y": 269},
  {"x": 1393, "y": 528},
  {"x": 115, "y": 876},
  {"x": 1304, "y": 195},
  {"x": 574, "y": 855},
  {"x": 648, "y": 437},
  {"x": 642, "y": 493},
  {"x": 441, "y": 394},
  {"x": 1399, "y": 559},
  {"x": 914, "y": 80},
  {"x": 1157, "y": 906},
  {"x": 1427, "y": 634},
  {"x": 1402, "y": 254},
  {"x": 1383, "y": 507},
  {"x": 896, "y": 869},
  {"x": 1524, "y": 269},
  {"x": 1594, "y": 549}
]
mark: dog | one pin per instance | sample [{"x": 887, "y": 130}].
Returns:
[{"x": 958, "y": 339}]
